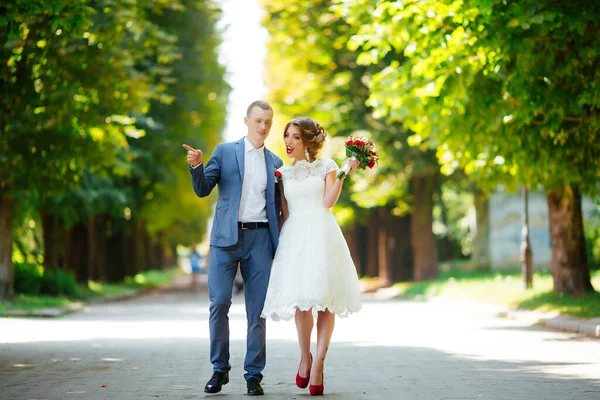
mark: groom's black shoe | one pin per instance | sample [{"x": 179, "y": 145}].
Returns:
[
  {"x": 254, "y": 388},
  {"x": 216, "y": 382}
]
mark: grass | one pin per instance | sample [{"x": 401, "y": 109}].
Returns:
[
  {"x": 25, "y": 303},
  {"x": 506, "y": 288},
  {"x": 29, "y": 303},
  {"x": 142, "y": 280},
  {"x": 153, "y": 278}
]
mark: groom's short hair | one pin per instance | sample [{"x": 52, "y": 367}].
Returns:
[{"x": 258, "y": 103}]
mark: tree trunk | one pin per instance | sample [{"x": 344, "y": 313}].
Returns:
[
  {"x": 363, "y": 248},
  {"x": 96, "y": 249},
  {"x": 480, "y": 258},
  {"x": 387, "y": 243},
  {"x": 54, "y": 241},
  {"x": 402, "y": 258},
  {"x": 372, "y": 243},
  {"x": 422, "y": 238},
  {"x": 384, "y": 268},
  {"x": 158, "y": 252},
  {"x": 526, "y": 257},
  {"x": 139, "y": 247},
  {"x": 127, "y": 251},
  {"x": 570, "y": 268},
  {"x": 76, "y": 252},
  {"x": 446, "y": 250},
  {"x": 115, "y": 267},
  {"x": 150, "y": 261},
  {"x": 172, "y": 256},
  {"x": 353, "y": 239},
  {"x": 6, "y": 238}
]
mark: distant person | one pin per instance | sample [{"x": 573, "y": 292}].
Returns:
[
  {"x": 313, "y": 272},
  {"x": 196, "y": 269},
  {"x": 245, "y": 231}
]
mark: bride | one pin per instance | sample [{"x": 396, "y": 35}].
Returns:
[{"x": 312, "y": 273}]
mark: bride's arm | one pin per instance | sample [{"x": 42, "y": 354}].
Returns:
[
  {"x": 284, "y": 207},
  {"x": 333, "y": 188}
]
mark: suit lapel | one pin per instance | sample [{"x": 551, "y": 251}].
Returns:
[
  {"x": 239, "y": 153},
  {"x": 270, "y": 176}
]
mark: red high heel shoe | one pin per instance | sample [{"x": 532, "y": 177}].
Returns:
[
  {"x": 300, "y": 381},
  {"x": 317, "y": 390}
]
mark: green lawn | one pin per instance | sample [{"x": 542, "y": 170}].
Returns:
[
  {"x": 143, "y": 280},
  {"x": 506, "y": 288},
  {"x": 29, "y": 303}
]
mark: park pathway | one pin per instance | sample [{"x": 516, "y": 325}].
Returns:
[{"x": 156, "y": 347}]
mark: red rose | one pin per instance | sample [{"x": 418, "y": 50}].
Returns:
[
  {"x": 359, "y": 143},
  {"x": 348, "y": 142},
  {"x": 372, "y": 153},
  {"x": 371, "y": 164},
  {"x": 278, "y": 176}
]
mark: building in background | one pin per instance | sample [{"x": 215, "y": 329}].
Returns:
[{"x": 505, "y": 228}]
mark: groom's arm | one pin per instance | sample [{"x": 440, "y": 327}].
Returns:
[{"x": 204, "y": 179}]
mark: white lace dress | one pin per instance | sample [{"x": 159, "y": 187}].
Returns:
[{"x": 312, "y": 266}]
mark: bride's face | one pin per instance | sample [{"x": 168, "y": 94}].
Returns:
[{"x": 294, "y": 146}]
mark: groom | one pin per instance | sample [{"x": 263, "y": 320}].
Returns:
[{"x": 245, "y": 230}]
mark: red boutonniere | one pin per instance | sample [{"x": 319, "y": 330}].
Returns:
[{"x": 278, "y": 176}]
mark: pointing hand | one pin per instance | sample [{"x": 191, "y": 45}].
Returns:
[{"x": 194, "y": 156}]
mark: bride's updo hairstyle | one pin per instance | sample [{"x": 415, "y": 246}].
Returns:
[{"x": 312, "y": 133}]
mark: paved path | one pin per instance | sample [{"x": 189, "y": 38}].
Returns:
[{"x": 156, "y": 346}]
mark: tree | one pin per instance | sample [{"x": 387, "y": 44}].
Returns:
[
  {"x": 77, "y": 143},
  {"x": 505, "y": 90},
  {"x": 196, "y": 115},
  {"x": 29, "y": 124},
  {"x": 328, "y": 84}
]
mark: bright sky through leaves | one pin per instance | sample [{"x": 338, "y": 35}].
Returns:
[{"x": 242, "y": 52}]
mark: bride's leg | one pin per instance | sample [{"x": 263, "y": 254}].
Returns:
[
  {"x": 325, "y": 325},
  {"x": 304, "y": 326}
]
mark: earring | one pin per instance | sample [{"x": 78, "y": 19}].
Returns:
[{"x": 307, "y": 155}]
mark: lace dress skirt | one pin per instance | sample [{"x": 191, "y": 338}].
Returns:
[{"x": 312, "y": 268}]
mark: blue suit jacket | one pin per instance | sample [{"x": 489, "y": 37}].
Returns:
[{"x": 226, "y": 168}]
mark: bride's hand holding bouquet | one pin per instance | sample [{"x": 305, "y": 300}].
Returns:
[{"x": 360, "y": 149}]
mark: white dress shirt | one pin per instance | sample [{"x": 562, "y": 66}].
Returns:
[{"x": 253, "y": 204}]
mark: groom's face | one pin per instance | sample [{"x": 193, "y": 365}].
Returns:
[{"x": 259, "y": 124}]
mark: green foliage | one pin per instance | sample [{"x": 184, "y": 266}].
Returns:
[
  {"x": 196, "y": 117},
  {"x": 312, "y": 71},
  {"x": 506, "y": 90},
  {"x": 58, "y": 116},
  {"x": 28, "y": 278},
  {"x": 99, "y": 97},
  {"x": 592, "y": 238},
  {"x": 34, "y": 280},
  {"x": 59, "y": 283},
  {"x": 453, "y": 217}
]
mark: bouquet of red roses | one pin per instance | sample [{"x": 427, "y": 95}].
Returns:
[{"x": 361, "y": 149}]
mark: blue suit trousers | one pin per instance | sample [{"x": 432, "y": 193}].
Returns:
[{"x": 254, "y": 252}]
